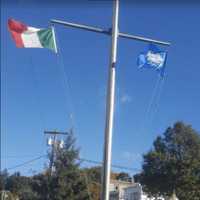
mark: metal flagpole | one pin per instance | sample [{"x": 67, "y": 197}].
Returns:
[
  {"x": 110, "y": 106},
  {"x": 111, "y": 85}
]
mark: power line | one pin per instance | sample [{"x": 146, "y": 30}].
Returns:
[
  {"x": 15, "y": 156},
  {"x": 80, "y": 159},
  {"x": 114, "y": 166},
  {"x": 25, "y": 163}
]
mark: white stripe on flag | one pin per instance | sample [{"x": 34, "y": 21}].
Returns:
[{"x": 30, "y": 38}]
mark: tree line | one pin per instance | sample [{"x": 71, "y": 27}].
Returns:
[
  {"x": 68, "y": 180},
  {"x": 171, "y": 165}
]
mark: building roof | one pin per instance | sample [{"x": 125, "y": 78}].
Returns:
[
  {"x": 125, "y": 183},
  {"x": 118, "y": 185}
]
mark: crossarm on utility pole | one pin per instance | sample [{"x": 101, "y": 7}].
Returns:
[
  {"x": 108, "y": 32},
  {"x": 54, "y": 145},
  {"x": 55, "y": 133}
]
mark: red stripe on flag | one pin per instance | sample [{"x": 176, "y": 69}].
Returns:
[
  {"x": 17, "y": 38},
  {"x": 16, "y": 28}
]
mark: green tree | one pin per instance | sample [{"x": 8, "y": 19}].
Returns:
[
  {"x": 40, "y": 184},
  {"x": 67, "y": 181},
  {"x": 3, "y": 178},
  {"x": 173, "y": 164},
  {"x": 93, "y": 176},
  {"x": 20, "y": 186}
]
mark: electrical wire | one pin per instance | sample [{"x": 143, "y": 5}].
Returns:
[
  {"x": 80, "y": 159},
  {"x": 25, "y": 163},
  {"x": 14, "y": 156},
  {"x": 113, "y": 166}
]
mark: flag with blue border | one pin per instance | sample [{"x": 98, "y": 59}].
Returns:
[{"x": 153, "y": 58}]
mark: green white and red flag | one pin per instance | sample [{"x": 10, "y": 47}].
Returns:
[{"x": 31, "y": 37}]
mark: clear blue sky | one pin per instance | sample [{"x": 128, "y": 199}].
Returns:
[{"x": 34, "y": 96}]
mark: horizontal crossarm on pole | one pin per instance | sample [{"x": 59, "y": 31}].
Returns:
[
  {"x": 144, "y": 39},
  {"x": 108, "y": 32},
  {"x": 81, "y": 26},
  {"x": 55, "y": 133}
]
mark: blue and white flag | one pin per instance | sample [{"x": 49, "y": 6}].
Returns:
[{"x": 153, "y": 58}]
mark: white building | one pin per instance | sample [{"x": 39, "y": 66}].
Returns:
[
  {"x": 173, "y": 197},
  {"x": 120, "y": 190}
]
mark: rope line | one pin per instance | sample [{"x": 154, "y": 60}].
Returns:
[
  {"x": 153, "y": 96},
  {"x": 66, "y": 81},
  {"x": 149, "y": 109},
  {"x": 157, "y": 101},
  {"x": 38, "y": 98}
]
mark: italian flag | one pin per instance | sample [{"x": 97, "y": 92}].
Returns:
[{"x": 30, "y": 37}]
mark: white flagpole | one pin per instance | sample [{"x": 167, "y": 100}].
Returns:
[
  {"x": 110, "y": 106},
  {"x": 111, "y": 86}
]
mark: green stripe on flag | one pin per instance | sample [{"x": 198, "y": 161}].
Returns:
[{"x": 46, "y": 38}]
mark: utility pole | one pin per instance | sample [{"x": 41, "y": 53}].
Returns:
[
  {"x": 55, "y": 143},
  {"x": 115, "y": 34}
]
